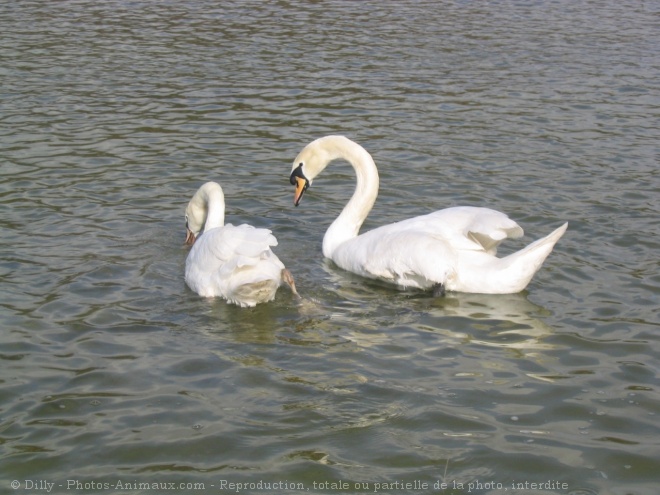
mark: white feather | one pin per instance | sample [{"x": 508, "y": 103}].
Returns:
[
  {"x": 455, "y": 247},
  {"x": 233, "y": 262}
]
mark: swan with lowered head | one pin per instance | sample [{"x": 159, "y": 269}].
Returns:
[
  {"x": 235, "y": 263},
  {"x": 452, "y": 249}
]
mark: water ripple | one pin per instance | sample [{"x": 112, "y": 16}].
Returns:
[{"x": 114, "y": 112}]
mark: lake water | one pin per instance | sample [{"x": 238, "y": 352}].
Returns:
[{"x": 115, "y": 375}]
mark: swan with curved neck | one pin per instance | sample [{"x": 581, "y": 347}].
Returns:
[
  {"x": 235, "y": 263},
  {"x": 452, "y": 249}
]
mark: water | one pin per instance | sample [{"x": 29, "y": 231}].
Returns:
[{"x": 114, "y": 373}]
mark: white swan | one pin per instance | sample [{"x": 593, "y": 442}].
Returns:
[
  {"x": 235, "y": 263},
  {"x": 452, "y": 249}
]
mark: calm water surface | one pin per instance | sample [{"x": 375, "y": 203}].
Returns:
[{"x": 114, "y": 373}]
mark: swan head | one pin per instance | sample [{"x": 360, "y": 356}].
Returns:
[
  {"x": 204, "y": 211},
  {"x": 300, "y": 180},
  {"x": 314, "y": 157},
  {"x": 195, "y": 219}
]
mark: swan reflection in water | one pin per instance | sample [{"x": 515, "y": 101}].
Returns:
[{"x": 371, "y": 313}]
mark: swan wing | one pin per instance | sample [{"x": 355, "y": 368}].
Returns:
[
  {"x": 466, "y": 227},
  {"x": 426, "y": 250},
  {"x": 226, "y": 258},
  {"x": 483, "y": 226},
  {"x": 243, "y": 243},
  {"x": 409, "y": 258}
]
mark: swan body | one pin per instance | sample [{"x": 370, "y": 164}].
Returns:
[
  {"x": 451, "y": 249},
  {"x": 232, "y": 262}
]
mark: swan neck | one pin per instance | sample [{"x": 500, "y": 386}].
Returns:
[
  {"x": 215, "y": 216},
  {"x": 348, "y": 223}
]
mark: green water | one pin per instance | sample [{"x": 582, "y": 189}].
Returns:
[{"x": 115, "y": 376}]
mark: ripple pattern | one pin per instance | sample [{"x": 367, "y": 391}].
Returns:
[{"x": 112, "y": 113}]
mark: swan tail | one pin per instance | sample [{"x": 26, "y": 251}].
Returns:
[
  {"x": 253, "y": 283},
  {"x": 518, "y": 268},
  {"x": 253, "y": 293}
]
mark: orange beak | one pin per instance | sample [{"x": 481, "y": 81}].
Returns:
[
  {"x": 301, "y": 185},
  {"x": 190, "y": 237}
]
